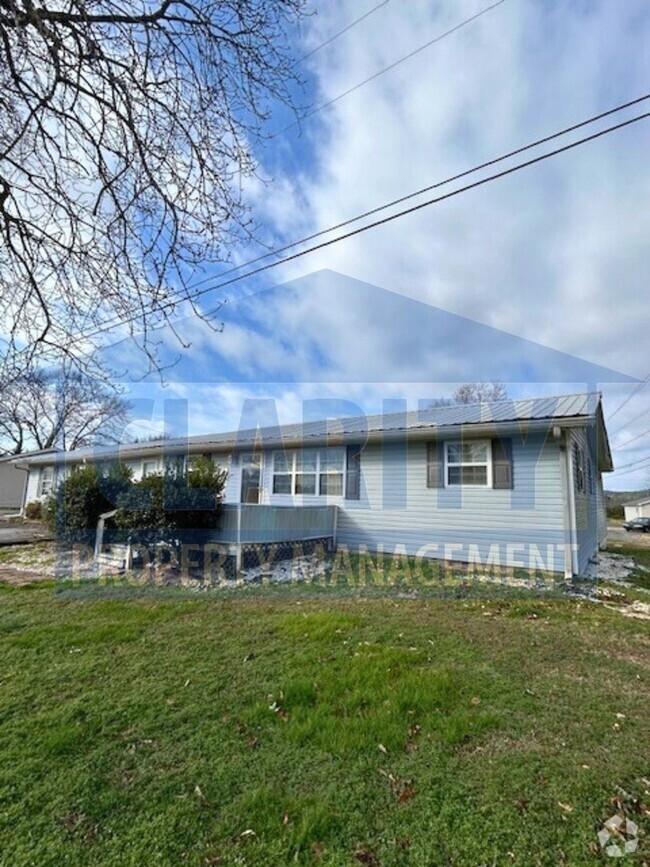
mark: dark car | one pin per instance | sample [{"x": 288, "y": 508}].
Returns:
[{"x": 641, "y": 525}]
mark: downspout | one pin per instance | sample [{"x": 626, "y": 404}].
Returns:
[
  {"x": 559, "y": 435},
  {"x": 21, "y": 514}
]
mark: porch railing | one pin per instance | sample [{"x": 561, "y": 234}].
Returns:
[{"x": 242, "y": 523}]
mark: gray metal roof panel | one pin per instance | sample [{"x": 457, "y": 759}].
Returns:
[{"x": 541, "y": 408}]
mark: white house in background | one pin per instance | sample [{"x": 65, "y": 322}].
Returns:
[
  {"x": 637, "y": 509},
  {"x": 13, "y": 482},
  {"x": 513, "y": 483}
]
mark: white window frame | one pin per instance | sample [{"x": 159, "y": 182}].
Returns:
[
  {"x": 487, "y": 463},
  {"x": 42, "y": 492},
  {"x": 292, "y": 472},
  {"x": 155, "y": 471},
  {"x": 251, "y": 459}
]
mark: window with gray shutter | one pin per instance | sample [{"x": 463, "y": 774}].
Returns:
[
  {"x": 502, "y": 463},
  {"x": 435, "y": 465},
  {"x": 353, "y": 473}
]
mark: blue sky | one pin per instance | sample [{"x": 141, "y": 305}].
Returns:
[{"x": 557, "y": 254}]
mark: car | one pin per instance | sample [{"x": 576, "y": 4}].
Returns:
[{"x": 641, "y": 525}]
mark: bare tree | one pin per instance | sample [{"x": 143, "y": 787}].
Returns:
[
  {"x": 474, "y": 392},
  {"x": 59, "y": 408},
  {"x": 126, "y": 129}
]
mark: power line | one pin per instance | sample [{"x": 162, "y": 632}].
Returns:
[
  {"x": 633, "y": 463},
  {"x": 634, "y": 470},
  {"x": 341, "y": 32},
  {"x": 634, "y": 439},
  {"x": 638, "y": 388},
  {"x": 412, "y": 195},
  {"x": 631, "y": 421},
  {"x": 388, "y": 219},
  {"x": 427, "y": 189},
  {"x": 387, "y": 68}
]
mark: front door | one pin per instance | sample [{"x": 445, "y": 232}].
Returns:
[{"x": 251, "y": 477}]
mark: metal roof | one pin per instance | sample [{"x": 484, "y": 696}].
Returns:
[
  {"x": 642, "y": 502},
  {"x": 569, "y": 406}
]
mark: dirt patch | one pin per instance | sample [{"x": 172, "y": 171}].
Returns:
[{"x": 21, "y": 577}]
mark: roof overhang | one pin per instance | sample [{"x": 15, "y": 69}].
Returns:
[{"x": 193, "y": 446}]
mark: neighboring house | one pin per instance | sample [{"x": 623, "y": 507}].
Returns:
[
  {"x": 13, "y": 481},
  {"x": 510, "y": 483},
  {"x": 637, "y": 509}
]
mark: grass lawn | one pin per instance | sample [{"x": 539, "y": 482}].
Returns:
[{"x": 300, "y": 726}]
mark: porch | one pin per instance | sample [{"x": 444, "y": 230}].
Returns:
[{"x": 247, "y": 533}]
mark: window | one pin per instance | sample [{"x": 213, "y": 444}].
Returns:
[
  {"x": 309, "y": 472},
  {"x": 331, "y": 471},
  {"x": 149, "y": 468},
  {"x": 282, "y": 472},
  {"x": 468, "y": 463},
  {"x": 46, "y": 482},
  {"x": 306, "y": 469},
  {"x": 579, "y": 468},
  {"x": 251, "y": 478}
]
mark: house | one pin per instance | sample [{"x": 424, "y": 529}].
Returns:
[
  {"x": 13, "y": 482},
  {"x": 637, "y": 509},
  {"x": 510, "y": 483}
]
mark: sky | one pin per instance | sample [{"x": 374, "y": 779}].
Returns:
[{"x": 555, "y": 255}]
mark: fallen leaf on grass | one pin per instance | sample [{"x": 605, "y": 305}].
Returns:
[
  {"x": 365, "y": 856},
  {"x": 406, "y": 794},
  {"x": 252, "y": 742},
  {"x": 199, "y": 793},
  {"x": 285, "y": 819},
  {"x": 248, "y": 833},
  {"x": 382, "y": 749},
  {"x": 566, "y": 807}
]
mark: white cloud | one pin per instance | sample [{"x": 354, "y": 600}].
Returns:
[{"x": 557, "y": 253}]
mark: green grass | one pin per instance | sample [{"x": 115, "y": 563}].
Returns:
[{"x": 339, "y": 730}]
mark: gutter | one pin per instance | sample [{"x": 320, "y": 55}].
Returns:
[{"x": 490, "y": 428}]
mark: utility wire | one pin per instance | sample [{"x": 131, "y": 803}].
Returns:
[
  {"x": 375, "y": 75},
  {"x": 388, "y": 219},
  {"x": 109, "y": 323},
  {"x": 427, "y": 189},
  {"x": 341, "y": 32},
  {"x": 633, "y": 439},
  {"x": 633, "y": 463},
  {"x": 638, "y": 388},
  {"x": 630, "y": 422},
  {"x": 633, "y": 470}
]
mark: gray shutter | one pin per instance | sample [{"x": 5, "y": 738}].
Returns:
[
  {"x": 353, "y": 473},
  {"x": 435, "y": 465},
  {"x": 502, "y": 463}
]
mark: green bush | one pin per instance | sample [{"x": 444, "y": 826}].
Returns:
[
  {"x": 87, "y": 493},
  {"x": 34, "y": 510},
  {"x": 173, "y": 501},
  {"x": 615, "y": 512}
]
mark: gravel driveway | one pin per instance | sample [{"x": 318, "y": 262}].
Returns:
[
  {"x": 22, "y": 534},
  {"x": 616, "y": 534}
]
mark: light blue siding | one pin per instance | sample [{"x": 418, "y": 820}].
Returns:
[
  {"x": 398, "y": 509},
  {"x": 589, "y": 503}
]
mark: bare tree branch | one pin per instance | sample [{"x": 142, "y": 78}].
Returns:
[
  {"x": 125, "y": 132},
  {"x": 59, "y": 408}
]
